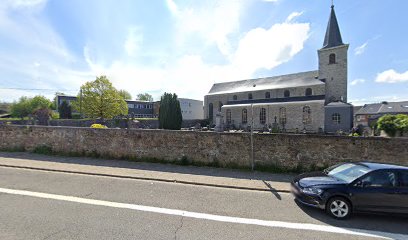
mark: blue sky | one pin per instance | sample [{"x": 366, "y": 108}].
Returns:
[{"x": 185, "y": 46}]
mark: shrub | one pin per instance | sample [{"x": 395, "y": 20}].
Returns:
[
  {"x": 97, "y": 125},
  {"x": 391, "y": 124}
]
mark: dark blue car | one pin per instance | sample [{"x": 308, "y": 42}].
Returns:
[{"x": 355, "y": 187}]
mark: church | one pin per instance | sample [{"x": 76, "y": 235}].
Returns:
[{"x": 314, "y": 101}]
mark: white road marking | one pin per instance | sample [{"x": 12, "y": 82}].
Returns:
[{"x": 220, "y": 218}]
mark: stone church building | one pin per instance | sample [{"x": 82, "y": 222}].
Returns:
[{"x": 308, "y": 101}]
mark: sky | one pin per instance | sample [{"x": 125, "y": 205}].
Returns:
[{"x": 185, "y": 46}]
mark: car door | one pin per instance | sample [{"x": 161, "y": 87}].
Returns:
[
  {"x": 402, "y": 191},
  {"x": 376, "y": 191}
]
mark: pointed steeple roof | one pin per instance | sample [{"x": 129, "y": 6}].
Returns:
[{"x": 333, "y": 36}]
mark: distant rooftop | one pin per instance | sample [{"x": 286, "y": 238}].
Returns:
[
  {"x": 277, "y": 82},
  {"x": 384, "y": 108}
]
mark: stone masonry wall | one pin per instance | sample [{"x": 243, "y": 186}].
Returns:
[{"x": 207, "y": 148}]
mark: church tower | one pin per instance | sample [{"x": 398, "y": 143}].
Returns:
[{"x": 333, "y": 62}]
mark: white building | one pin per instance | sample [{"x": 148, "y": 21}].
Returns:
[{"x": 191, "y": 109}]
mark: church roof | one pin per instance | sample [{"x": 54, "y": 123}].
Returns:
[
  {"x": 277, "y": 82},
  {"x": 333, "y": 36}
]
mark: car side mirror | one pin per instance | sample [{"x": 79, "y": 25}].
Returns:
[{"x": 359, "y": 183}]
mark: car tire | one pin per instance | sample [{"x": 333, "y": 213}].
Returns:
[{"x": 339, "y": 208}]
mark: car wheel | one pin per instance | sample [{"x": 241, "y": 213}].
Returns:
[{"x": 339, "y": 208}]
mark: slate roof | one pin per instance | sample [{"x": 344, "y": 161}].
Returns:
[
  {"x": 384, "y": 108},
  {"x": 277, "y": 82},
  {"x": 333, "y": 36}
]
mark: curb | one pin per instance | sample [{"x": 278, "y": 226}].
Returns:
[{"x": 147, "y": 179}]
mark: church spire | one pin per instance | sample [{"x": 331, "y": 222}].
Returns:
[{"x": 333, "y": 36}]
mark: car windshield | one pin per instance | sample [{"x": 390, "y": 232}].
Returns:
[{"x": 347, "y": 172}]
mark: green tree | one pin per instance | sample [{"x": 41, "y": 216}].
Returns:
[
  {"x": 25, "y": 106},
  {"x": 144, "y": 97},
  {"x": 40, "y": 102},
  {"x": 65, "y": 110},
  {"x": 391, "y": 124},
  {"x": 125, "y": 94},
  {"x": 100, "y": 99},
  {"x": 170, "y": 112}
]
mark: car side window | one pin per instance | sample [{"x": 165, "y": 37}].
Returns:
[
  {"x": 380, "y": 179},
  {"x": 404, "y": 178}
]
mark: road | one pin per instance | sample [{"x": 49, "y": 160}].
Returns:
[{"x": 51, "y": 205}]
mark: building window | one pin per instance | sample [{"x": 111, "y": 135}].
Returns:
[
  {"x": 332, "y": 58},
  {"x": 286, "y": 93},
  {"x": 244, "y": 116},
  {"x": 228, "y": 116},
  {"x": 336, "y": 118},
  {"x": 308, "y": 92},
  {"x": 235, "y": 97},
  {"x": 130, "y": 105},
  {"x": 307, "y": 119},
  {"x": 249, "y": 96},
  {"x": 282, "y": 115},
  {"x": 210, "y": 111},
  {"x": 267, "y": 95},
  {"x": 262, "y": 116},
  {"x": 220, "y": 106}
]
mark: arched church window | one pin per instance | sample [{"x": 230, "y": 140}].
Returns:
[
  {"x": 262, "y": 116},
  {"x": 307, "y": 119},
  {"x": 286, "y": 93},
  {"x": 244, "y": 116},
  {"x": 336, "y": 118},
  {"x": 332, "y": 58},
  {"x": 220, "y": 106},
  {"x": 235, "y": 97},
  {"x": 282, "y": 115},
  {"x": 228, "y": 116},
  {"x": 210, "y": 111},
  {"x": 249, "y": 96},
  {"x": 267, "y": 95},
  {"x": 308, "y": 92}
]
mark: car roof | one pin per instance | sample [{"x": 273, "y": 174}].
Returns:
[{"x": 377, "y": 166}]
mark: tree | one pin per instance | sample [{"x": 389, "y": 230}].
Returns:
[
  {"x": 25, "y": 105},
  {"x": 170, "y": 112},
  {"x": 144, "y": 97},
  {"x": 100, "y": 99},
  {"x": 125, "y": 94},
  {"x": 391, "y": 124},
  {"x": 65, "y": 110}
]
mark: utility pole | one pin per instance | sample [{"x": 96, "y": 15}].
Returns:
[
  {"x": 252, "y": 138},
  {"x": 80, "y": 102}
]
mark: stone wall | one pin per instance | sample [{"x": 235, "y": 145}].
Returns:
[{"x": 283, "y": 151}]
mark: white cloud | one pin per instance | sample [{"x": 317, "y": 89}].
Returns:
[
  {"x": 360, "y": 49},
  {"x": 293, "y": 16},
  {"x": 357, "y": 81},
  {"x": 266, "y": 49},
  {"x": 133, "y": 41},
  {"x": 391, "y": 76}
]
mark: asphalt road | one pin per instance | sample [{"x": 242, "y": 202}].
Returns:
[{"x": 43, "y": 208}]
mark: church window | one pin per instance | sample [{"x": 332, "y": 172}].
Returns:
[
  {"x": 332, "y": 58},
  {"x": 307, "y": 119},
  {"x": 219, "y": 106},
  {"x": 249, "y": 96},
  {"x": 210, "y": 111},
  {"x": 267, "y": 95},
  {"x": 308, "y": 92},
  {"x": 235, "y": 97},
  {"x": 262, "y": 116},
  {"x": 336, "y": 118},
  {"x": 282, "y": 115},
  {"x": 228, "y": 116},
  {"x": 286, "y": 93},
  {"x": 244, "y": 116}
]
